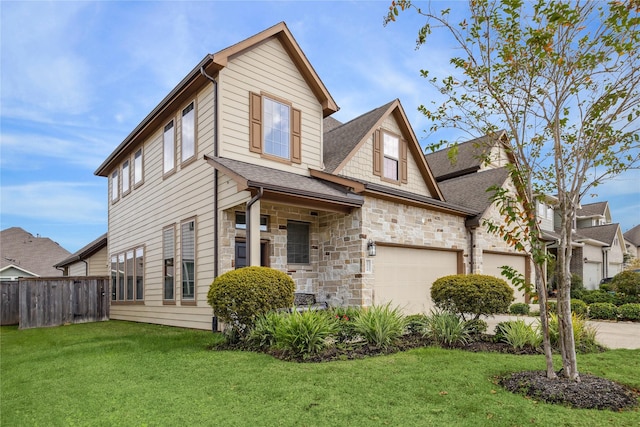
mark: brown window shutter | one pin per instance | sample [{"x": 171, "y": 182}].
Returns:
[
  {"x": 377, "y": 153},
  {"x": 403, "y": 161},
  {"x": 255, "y": 123},
  {"x": 296, "y": 131}
]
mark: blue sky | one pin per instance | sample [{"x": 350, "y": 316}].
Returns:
[{"x": 77, "y": 77}]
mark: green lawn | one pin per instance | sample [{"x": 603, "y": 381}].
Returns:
[{"x": 130, "y": 374}]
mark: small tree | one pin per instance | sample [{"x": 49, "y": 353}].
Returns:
[{"x": 563, "y": 81}]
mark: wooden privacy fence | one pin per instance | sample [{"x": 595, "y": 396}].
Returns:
[
  {"x": 10, "y": 303},
  {"x": 58, "y": 300}
]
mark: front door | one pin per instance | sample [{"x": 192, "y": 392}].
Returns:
[{"x": 241, "y": 254}]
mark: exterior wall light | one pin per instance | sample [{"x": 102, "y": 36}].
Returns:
[{"x": 371, "y": 248}]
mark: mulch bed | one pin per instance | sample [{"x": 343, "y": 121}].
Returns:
[{"x": 589, "y": 393}]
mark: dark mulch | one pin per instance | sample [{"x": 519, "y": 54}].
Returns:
[{"x": 589, "y": 393}]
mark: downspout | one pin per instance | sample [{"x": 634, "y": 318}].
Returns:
[
  {"x": 216, "y": 241},
  {"x": 250, "y": 203},
  {"x": 86, "y": 267},
  {"x": 472, "y": 243}
]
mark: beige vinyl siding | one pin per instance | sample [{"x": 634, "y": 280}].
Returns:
[
  {"x": 360, "y": 166},
  {"x": 267, "y": 69},
  {"x": 97, "y": 265},
  {"x": 228, "y": 195},
  {"x": 139, "y": 219}
]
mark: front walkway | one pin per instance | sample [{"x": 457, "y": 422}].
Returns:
[{"x": 610, "y": 334}]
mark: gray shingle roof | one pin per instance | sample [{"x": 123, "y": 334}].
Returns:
[
  {"x": 340, "y": 141},
  {"x": 85, "y": 252},
  {"x": 592, "y": 209},
  {"x": 633, "y": 235},
  {"x": 471, "y": 190},
  {"x": 288, "y": 183},
  {"x": 28, "y": 252},
  {"x": 329, "y": 123},
  {"x": 469, "y": 159},
  {"x": 602, "y": 233}
]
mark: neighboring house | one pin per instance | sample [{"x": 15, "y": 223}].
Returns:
[
  {"x": 465, "y": 179},
  {"x": 598, "y": 245},
  {"x": 632, "y": 242},
  {"x": 91, "y": 260},
  {"x": 24, "y": 255}
]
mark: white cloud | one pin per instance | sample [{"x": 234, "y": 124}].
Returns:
[{"x": 58, "y": 202}]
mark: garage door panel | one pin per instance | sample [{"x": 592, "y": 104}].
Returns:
[
  {"x": 403, "y": 276},
  {"x": 492, "y": 266}
]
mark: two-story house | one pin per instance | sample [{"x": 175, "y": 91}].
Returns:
[
  {"x": 241, "y": 164},
  {"x": 598, "y": 245}
]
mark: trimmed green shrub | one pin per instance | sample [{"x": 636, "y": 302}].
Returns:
[
  {"x": 576, "y": 285},
  {"x": 305, "y": 333},
  {"x": 474, "y": 294},
  {"x": 239, "y": 296},
  {"x": 416, "y": 323},
  {"x": 380, "y": 325},
  {"x": 519, "y": 334},
  {"x": 579, "y": 307},
  {"x": 603, "y": 310},
  {"x": 627, "y": 282},
  {"x": 594, "y": 296},
  {"x": 519, "y": 308},
  {"x": 622, "y": 299},
  {"x": 446, "y": 328},
  {"x": 629, "y": 312}
]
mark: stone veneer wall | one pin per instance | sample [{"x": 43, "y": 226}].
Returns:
[
  {"x": 305, "y": 276},
  {"x": 342, "y": 249},
  {"x": 392, "y": 222}
]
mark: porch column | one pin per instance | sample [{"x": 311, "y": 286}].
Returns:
[{"x": 253, "y": 234}]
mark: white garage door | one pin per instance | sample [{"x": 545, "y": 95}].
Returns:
[
  {"x": 492, "y": 263},
  {"x": 591, "y": 275},
  {"x": 403, "y": 276}
]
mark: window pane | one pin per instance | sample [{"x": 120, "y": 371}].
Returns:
[
  {"x": 114, "y": 185},
  {"x": 125, "y": 176},
  {"x": 168, "y": 246},
  {"x": 169, "y": 148},
  {"x": 114, "y": 278},
  {"x": 391, "y": 146},
  {"x": 276, "y": 128},
  {"x": 139, "y": 273},
  {"x": 188, "y": 132},
  {"x": 129, "y": 270},
  {"x": 188, "y": 239},
  {"x": 137, "y": 167},
  {"x": 241, "y": 221},
  {"x": 390, "y": 168},
  {"x": 297, "y": 242},
  {"x": 121, "y": 277}
]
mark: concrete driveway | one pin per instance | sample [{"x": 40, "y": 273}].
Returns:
[{"x": 610, "y": 334}]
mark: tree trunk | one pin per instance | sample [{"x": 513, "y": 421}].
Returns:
[
  {"x": 565, "y": 325},
  {"x": 541, "y": 287}
]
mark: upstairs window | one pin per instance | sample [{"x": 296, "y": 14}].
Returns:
[
  {"x": 125, "y": 178},
  {"x": 115, "y": 186},
  {"x": 389, "y": 157},
  {"x": 188, "y": 149},
  {"x": 275, "y": 128},
  {"x": 391, "y": 153},
  {"x": 169, "y": 148},
  {"x": 137, "y": 168}
]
